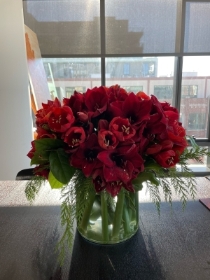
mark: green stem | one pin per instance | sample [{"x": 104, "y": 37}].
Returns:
[
  {"x": 137, "y": 207},
  {"x": 104, "y": 216},
  {"x": 86, "y": 215},
  {"x": 118, "y": 215},
  {"x": 126, "y": 219},
  {"x": 133, "y": 205}
]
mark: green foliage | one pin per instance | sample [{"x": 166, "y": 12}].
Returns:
[
  {"x": 48, "y": 144},
  {"x": 75, "y": 198},
  {"x": 194, "y": 152},
  {"x": 43, "y": 147},
  {"x": 40, "y": 157},
  {"x": 147, "y": 175},
  {"x": 84, "y": 188},
  {"x": 60, "y": 167},
  {"x": 54, "y": 183},
  {"x": 32, "y": 187},
  {"x": 67, "y": 221},
  {"x": 181, "y": 180}
]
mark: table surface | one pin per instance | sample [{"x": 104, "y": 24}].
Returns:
[{"x": 172, "y": 246}]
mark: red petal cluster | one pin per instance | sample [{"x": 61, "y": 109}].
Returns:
[{"x": 109, "y": 134}]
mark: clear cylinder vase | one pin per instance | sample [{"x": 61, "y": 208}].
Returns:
[{"x": 109, "y": 220}]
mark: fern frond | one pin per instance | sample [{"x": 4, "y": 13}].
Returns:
[
  {"x": 154, "y": 194},
  {"x": 32, "y": 187},
  {"x": 67, "y": 220},
  {"x": 195, "y": 153},
  {"x": 75, "y": 198},
  {"x": 83, "y": 189}
]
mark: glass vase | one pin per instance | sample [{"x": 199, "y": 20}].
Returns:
[{"x": 109, "y": 220}]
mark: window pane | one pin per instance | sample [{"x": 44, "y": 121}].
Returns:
[
  {"x": 197, "y": 35},
  {"x": 65, "y": 75},
  {"x": 139, "y": 26},
  {"x": 65, "y": 27},
  {"x": 194, "y": 113},
  {"x": 153, "y": 75}
]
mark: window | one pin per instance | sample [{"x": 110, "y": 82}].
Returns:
[
  {"x": 163, "y": 92},
  {"x": 70, "y": 90},
  {"x": 196, "y": 121},
  {"x": 159, "y": 47},
  {"x": 189, "y": 91},
  {"x": 126, "y": 69},
  {"x": 133, "y": 88}
]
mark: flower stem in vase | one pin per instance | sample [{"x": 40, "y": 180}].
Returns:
[
  {"x": 104, "y": 216},
  {"x": 137, "y": 203},
  {"x": 133, "y": 202},
  {"x": 86, "y": 215},
  {"x": 126, "y": 219},
  {"x": 118, "y": 215}
]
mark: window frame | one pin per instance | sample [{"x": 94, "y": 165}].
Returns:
[{"x": 178, "y": 54}]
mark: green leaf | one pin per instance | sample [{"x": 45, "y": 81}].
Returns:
[
  {"x": 151, "y": 164},
  {"x": 54, "y": 183},
  {"x": 47, "y": 144},
  {"x": 143, "y": 177},
  {"x": 60, "y": 166},
  {"x": 40, "y": 157},
  {"x": 192, "y": 142},
  {"x": 138, "y": 186}
]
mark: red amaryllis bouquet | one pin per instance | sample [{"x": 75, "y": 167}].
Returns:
[
  {"x": 109, "y": 141},
  {"x": 107, "y": 133}
]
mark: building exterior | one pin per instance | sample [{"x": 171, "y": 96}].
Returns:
[{"x": 134, "y": 74}]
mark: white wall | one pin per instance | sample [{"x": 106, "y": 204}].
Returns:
[{"x": 15, "y": 112}]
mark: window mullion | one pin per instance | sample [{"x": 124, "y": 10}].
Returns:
[
  {"x": 177, "y": 82},
  {"x": 179, "y": 49},
  {"x": 103, "y": 41}
]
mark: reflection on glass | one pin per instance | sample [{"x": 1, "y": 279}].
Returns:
[
  {"x": 64, "y": 27},
  {"x": 195, "y": 95},
  {"x": 136, "y": 27},
  {"x": 197, "y": 35}
]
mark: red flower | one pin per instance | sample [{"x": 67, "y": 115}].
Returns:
[
  {"x": 166, "y": 158},
  {"x": 43, "y": 114},
  {"x": 114, "y": 187},
  {"x": 82, "y": 117},
  {"x": 133, "y": 108},
  {"x": 42, "y": 171},
  {"x": 177, "y": 134},
  {"x": 96, "y": 100},
  {"x": 157, "y": 147},
  {"x": 166, "y": 153},
  {"x": 107, "y": 140},
  {"x": 85, "y": 158},
  {"x": 143, "y": 95},
  {"x": 158, "y": 121},
  {"x": 74, "y": 136},
  {"x": 178, "y": 151},
  {"x": 122, "y": 128},
  {"x": 98, "y": 180},
  {"x": 122, "y": 164},
  {"x": 42, "y": 133},
  {"x": 169, "y": 109},
  {"x": 75, "y": 102},
  {"x": 153, "y": 149},
  {"x": 61, "y": 119},
  {"x": 116, "y": 93},
  {"x": 30, "y": 154}
]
